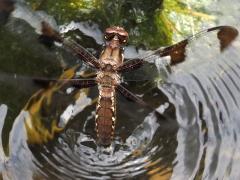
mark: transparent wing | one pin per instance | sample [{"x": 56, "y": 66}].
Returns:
[{"x": 211, "y": 42}]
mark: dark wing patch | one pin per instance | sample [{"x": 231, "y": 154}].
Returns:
[
  {"x": 226, "y": 35},
  {"x": 49, "y": 33},
  {"x": 177, "y": 52}
]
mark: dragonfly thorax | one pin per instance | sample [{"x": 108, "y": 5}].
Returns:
[
  {"x": 108, "y": 79},
  {"x": 109, "y": 67},
  {"x": 111, "y": 56}
]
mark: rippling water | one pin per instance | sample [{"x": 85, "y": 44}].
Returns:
[
  {"x": 198, "y": 139},
  {"x": 205, "y": 144},
  {"x": 209, "y": 125}
]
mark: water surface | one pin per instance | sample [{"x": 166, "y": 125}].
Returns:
[{"x": 199, "y": 99}]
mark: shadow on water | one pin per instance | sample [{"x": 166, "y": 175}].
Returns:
[{"x": 53, "y": 135}]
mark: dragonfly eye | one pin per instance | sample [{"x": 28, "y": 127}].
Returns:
[
  {"x": 109, "y": 36},
  {"x": 123, "y": 39}
]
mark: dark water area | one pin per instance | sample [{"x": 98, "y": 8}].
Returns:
[{"x": 48, "y": 130}]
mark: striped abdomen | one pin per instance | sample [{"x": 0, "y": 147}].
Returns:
[{"x": 106, "y": 115}]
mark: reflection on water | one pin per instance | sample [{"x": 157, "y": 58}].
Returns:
[{"x": 53, "y": 136}]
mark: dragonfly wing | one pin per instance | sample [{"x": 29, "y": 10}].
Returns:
[
  {"x": 81, "y": 52},
  {"x": 177, "y": 52},
  {"x": 215, "y": 40},
  {"x": 48, "y": 33}
]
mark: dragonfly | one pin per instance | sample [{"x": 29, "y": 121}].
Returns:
[{"x": 111, "y": 65}]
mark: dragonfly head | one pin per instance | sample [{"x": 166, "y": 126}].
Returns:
[{"x": 116, "y": 36}]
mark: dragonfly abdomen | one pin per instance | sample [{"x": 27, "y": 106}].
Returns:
[{"x": 106, "y": 115}]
